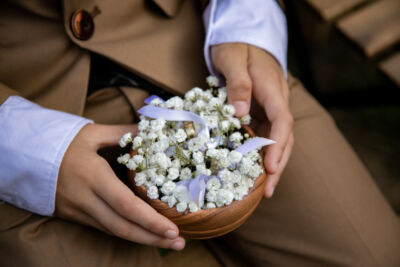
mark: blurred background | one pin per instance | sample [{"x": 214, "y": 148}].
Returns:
[{"x": 347, "y": 53}]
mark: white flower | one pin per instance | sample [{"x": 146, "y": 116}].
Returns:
[
  {"x": 164, "y": 199},
  {"x": 158, "y": 124},
  {"x": 239, "y": 192},
  {"x": 214, "y": 103},
  {"x": 181, "y": 193},
  {"x": 225, "y": 196},
  {"x": 140, "y": 178},
  {"x": 211, "y": 196},
  {"x": 174, "y": 103},
  {"x": 137, "y": 142},
  {"x": 160, "y": 159},
  {"x": 131, "y": 164},
  {"x": 225, "y": 125},
  {"x": 180, "y": 136},
  {"x": 210, "y": 205},
  {"x": 176, "y": 163},
  {"x": 225, "y": 175},
  {"x": 253, "y": 156},
  {"x": 168, "y": 188},
  {"x": 234, "y": 156},
  {"x": 151, "y": 173},
  {"x": 255, "y": 171},
  {"x": 193, "y": 206},
  {"x": 198, "y": 157},
  {"x": 143, "y": 125},
  {"x": 159, "y": 180},
  {"x": 190, "y": 96},
  {"x": 201, "y": 169},
  {"x": 152, "y": 192},
  {"x": 156, "y": 102},
  {"x": 181, "y": 206},
  {"x": 198, "y": 92},
  {"x": 212, "y": 81},
  {"x": 213, "y": 184},
  {"x": 148, "y": 184},
  {"x": 186, "y": 174},
  {"x": 197, "y": 143},
  {"x": 235, "y": 122},
  {"x": 246, "y": 119},
  {"x": 236, "y": 137},
  {"x": 139, "y": 159},
  {"x": 198, "y": 106},
  {"x": 151, "y": 136},
  {"x": 124, "y": 158},
  {"x": 228, "y": 186},
  {"x": 245, "y": 166},
  {"x": 222, "y": 94},
  {"x": 207, "y": 95},
  {"x": 125, "y": 139},
  {"x": 173, "y": 173},
  {"x": 212, "y": 153},
  {"x": 171, "y": 201},
  {"x": 212, "y": 121},
  {"x": 236, "y": 176},
  {"x": 228, "y": 110}
]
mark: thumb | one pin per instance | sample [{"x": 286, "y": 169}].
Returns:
[
  {"x": 231, "y": 61},
  {"x": 109, "y": 135}
]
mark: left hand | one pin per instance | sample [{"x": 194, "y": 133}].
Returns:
[{"x": 251, "y": 72}]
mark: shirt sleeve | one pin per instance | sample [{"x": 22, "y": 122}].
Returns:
[
  {"x": 33, "y": 141},
  {"x": 261, "y": 23}
]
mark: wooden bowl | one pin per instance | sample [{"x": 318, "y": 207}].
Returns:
[{"x": 205, "y": 224}]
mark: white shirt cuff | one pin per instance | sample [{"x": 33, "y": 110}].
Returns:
[
  {"x": 260, "y": 23},
  {"x": 33, "y": 141}
]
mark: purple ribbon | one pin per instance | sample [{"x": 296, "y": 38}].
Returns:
[
  {"x": 254, "y": 143},
  {"x": 196, "y": 188},
  {"x": 150, "y": 98}
]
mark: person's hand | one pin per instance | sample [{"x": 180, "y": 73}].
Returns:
[
  {"x": 89, "y": 192},
  {"x": 251, "y": 72}
]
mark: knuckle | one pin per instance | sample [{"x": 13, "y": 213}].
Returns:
[{"x": 242, "y": 82}]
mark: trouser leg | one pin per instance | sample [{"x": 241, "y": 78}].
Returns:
[{"x": 326, "y": 211}]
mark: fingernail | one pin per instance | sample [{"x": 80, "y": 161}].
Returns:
[
  {"x": 178, "y": 245},
  {"x": 171, "y": 234},
  {"x": 241, "y": 107}
]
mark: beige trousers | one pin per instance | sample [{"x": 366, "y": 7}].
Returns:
[{"x": 326, "y": 211}]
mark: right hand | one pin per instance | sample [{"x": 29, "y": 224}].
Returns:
[{"x": 89, "y": 192}]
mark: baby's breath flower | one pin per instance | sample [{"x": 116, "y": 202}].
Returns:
[
  {"x": 168, "y": 188},
  {"x": 171, "y": 201},
  {"x": 235, "y": 122},
  {"x": 137, "y": 142},
  {"x": 213, "y": 184},
  {"x": 159, "y": 180},
  {"x": 212, "y": 81},
  {"x": 211, "y": 196},
  {"x": 156, "y": 102},
  {"x": 190, "y": 96},
  {"x": 222, "y": 94},
  {"x": 214, "y": 103},
  {"x": 228, "y": 110},
  {"x": 225, "y": 175},
  {"x": 212, "y": 153},
  {"x": 140, "y": 178},
  {"x": 193, "y": 206},
  {"x": 236, "y": 137},
  {"x": 198, "y": 157},
  {"x": 143, "y": 125},
  {"x": 139, "y": 159},
  {"x": 186, "y": 174},
  {"x": 201, "y": 169},
  {"x": 152, "y": 192},
  {"x": 234, "y": 156},
  {"x": 131, "y": 164},
  {"x": 174, "y": 103},
  {"x": 161, "y": 159},
  {"x": 225, "y": 125},
  {"x": 173, "y": 173},
  {"x": 181, "y": 193},
  {"x": 124, "y": 158},
  {"x": 181, "y": 206},
  {"x": 180, "y": 136},
  {"x": 176, "y": 163},
  {"x": 246, "y": 119},
  {"x": 212, "y": 121},
  {"x": 255, "y": 171},
  {"x": 126, "y": 139},
  {"x": 225, "y": 196},
  {"x": 157, "y": 124}
]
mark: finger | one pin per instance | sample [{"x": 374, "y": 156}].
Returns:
[
  {"x": 125, "y": 229},
  {"x": 125, "y": 203},
  {"x": 231, "y": 61},
  {"x": 273, "y": 179},
  {"x": 109, "y": 135}
]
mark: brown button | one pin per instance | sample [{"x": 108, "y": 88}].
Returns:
[{"x": 82, "y": 25}]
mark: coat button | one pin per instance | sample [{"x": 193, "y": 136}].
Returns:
[{"x": 82, "y": 25}]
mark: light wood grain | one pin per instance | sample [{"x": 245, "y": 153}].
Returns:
[
  {"x": 391, "y": 67},
  {"x": 330, "y": 9},
  {"x": 205, "y": 224},
  {"x": 375, "y": 27}
]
